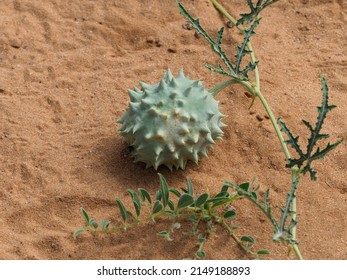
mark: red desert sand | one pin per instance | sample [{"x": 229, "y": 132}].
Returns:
[{"x": 65, "y": 67}]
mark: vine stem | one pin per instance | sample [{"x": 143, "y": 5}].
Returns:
[{"x": 255, "y": 90}]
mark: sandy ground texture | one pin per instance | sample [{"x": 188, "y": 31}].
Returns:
[{"x": 65, "y": 67}]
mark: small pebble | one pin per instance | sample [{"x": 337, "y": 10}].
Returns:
[
  {"x": 259, "y": 118},
  {"x": 172, "y": 50},
  {"x": 249, "y": 95},
  {"x": 197, "y": 34},
  {"x": 229, "y": 24},
  {"x": 187, "y": 25},
  {"x": 15, "y": 44}
]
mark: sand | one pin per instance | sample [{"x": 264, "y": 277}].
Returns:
[{"x": 65, "y": 67}]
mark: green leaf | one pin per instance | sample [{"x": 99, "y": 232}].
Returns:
[
  {"x": 85, "y": 215},
  {"x": 104, "y": 224},
  {"x": 78, "y": 232},
  {"x": 122, "y": 209},
  {"x": 164, "y": 190},
  {"x": 201, "y": 254},
  {"x": 158, "y": 195},
  {"x": 166, "y": 235},
  {"x": 145, "y": 195},
  {"x": 190, "y": 187},
  {"x": 215, "y": 45},
  {"x": 201, "y": 199},
  {"x": 193, "y": 219},
  {"x": 201, "y": 238},
  {"x": 245, "y": 186},
  {"x": 266, "y": 200},
  {"x": 171, "y": 204},
  {"x": 93, "y": 223},
  {"x": 222, "y": 194},
  {"x": 286, "y": 212},
  {"x": 229, "y": 214},
  {"x": 255, "y": 10},
  {"x": 136, "y": 201},
  {"x": 242, "y": 51},
  {"x": 170, "y": 213},
  {"x": 247, "y": 238},
  {"x": 185, "y": 200},
  {"x": 175, "y": 192},
  {"x": 157, "y": 207},
  {"x": 219, "y": 201},
  {"x": 263, "y": 252},
  {"x": 312, "y": 153}
]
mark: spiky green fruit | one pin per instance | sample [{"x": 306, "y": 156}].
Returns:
[{"x": 171, "y": 122}]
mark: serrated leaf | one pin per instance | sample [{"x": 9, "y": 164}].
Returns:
[
  {"x": 122, "y": 209},
  {"x": 145, "y": 195},
  {"x": 286, "y": 211},
  {"x": 78, "y": 232},
  {"x": 201, "y": 199},
  {"x": 85, "y": 215},
  {"x": 157, "y": 207},
  {"x": 164, "y": 190},
  {"x": 215, "y": 45},
  {"x": 185, "y": 200},
  {"x": 229, "y": 214},
  {"x": 255, "y": 10},
  {"x": 242, "y": 50},
  {"x": 312, "y": 153}
]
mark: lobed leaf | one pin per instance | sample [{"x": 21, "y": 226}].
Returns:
[
  {"x": 306, "y": 158},
  {"x": 242, "y": 51},
  {"x": 255, "y": 10}
]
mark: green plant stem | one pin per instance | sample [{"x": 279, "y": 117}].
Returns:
[
  {"x": 237, "y": 240},
  {"x": 256, "y": 92}
]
